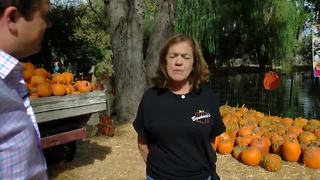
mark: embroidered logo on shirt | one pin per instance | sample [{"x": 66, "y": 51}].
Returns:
[{"x": 201, "y": 117}]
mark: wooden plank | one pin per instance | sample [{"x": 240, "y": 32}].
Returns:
[
  {"x": 68, "y": 101},
  {"x": 59, "y": 107},
  {"x": 70, "y": 112},
  {"x": 63, "y": 138}
]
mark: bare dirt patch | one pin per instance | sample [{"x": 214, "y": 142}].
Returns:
[{"x": 117, "y": 158}]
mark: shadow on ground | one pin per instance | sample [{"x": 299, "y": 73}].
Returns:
[{"x": 59, "y": 159}]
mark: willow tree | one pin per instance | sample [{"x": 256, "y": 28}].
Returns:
[
  {"x": 265, "y": 29},
  {"x": 200, "y": 19},
  {"x": 127, "y": 29},
  {"x": 271, "y": 29}
]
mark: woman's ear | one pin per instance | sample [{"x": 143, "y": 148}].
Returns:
[{"x": 10, "y": 15}]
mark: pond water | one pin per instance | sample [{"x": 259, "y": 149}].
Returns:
[{"x": 297, "y": 96}]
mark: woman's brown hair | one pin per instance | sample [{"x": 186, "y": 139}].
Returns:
[{"x": 199, "y": 74}]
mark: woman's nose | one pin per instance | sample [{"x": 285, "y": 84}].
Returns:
[{"x": 178, "y": 60}]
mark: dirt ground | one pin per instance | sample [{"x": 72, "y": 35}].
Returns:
[{"x": 117, "y": 158}]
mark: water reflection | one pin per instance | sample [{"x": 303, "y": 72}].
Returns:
[{"x": 297, "y": 96}]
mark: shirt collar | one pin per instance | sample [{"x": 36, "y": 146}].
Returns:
[{"x": 7, "y": 64}]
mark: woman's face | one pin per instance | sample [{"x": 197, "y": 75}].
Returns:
[{"x": 179, "y": 62}]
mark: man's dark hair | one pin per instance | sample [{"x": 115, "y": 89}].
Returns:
[{"x": 25, "y": 7}]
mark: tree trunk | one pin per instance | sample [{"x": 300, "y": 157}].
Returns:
[
  {"x": 163, "y": 29},
  {"x": 126, "y": 29}
]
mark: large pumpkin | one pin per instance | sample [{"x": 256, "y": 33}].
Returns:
[
  {"x": 83, "y": 86},
  {"x": 271, "y": 81}
]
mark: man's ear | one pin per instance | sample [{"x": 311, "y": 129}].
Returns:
[{"x": 10, "y": 15}]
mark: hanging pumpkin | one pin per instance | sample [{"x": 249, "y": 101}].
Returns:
[{"x": 271, "y": 81}]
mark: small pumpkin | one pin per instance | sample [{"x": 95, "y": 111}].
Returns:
[
  {"x": 291, "y": 150},
  {"x": 262, "y": 144},
  {"x": 44, "y": 90},
  {"x": 41, "y": 72},
  {"x": 251, "y": 156},
  {"x": 225, "y": 146},
  {"x": 216, "y": 141},
  {"x": 36, "y": 80},
  {"x": 307, "y": 137},
  {"x": 271, "y": 81},
  {"x": 236, "y": 152},
  {"x": 311, "y": 157},
  {"x": 83, "y": 86},
  {"x": 272, "y": 162},
  {"x": 70, "y": 89},
  {"x": 58, "y": 89},
  {"x": 68, "y": 76},
  {"x": 58, "y": 78},
  {"x": 27, "y": 74},
  {"x": 28, "y": 66}
]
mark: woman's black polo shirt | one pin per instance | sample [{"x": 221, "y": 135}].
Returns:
[{"x": 179, "y": 133}]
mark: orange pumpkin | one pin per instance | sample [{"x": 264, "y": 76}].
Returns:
[
  {"x": 27, "y": 74},
  {"x": 271, "y": 81},
  {"x": 244, "y": 140},
  {"x": 70, "y": 89},
  {"x": 28, "y": 66},
  {"x": 251, "y": 156},
  {"x": 68, "y": 76},
  {"x": 291, "y": 150},
  {"x": 225, "y": 146},
  {"x": 307, "y": 137},
  {"x": 311, "y": 157},
  {"x": 36, "y": 80},
  {"x": 83, "y": 86},
  {"x": 272, "y": 162},
  {"x": 216, "y": 141},
  {"x": 262, "y": 144},
  {"x": 236, "y": 152},
  {"x": 58, "y": 78},
  {"x": 58, "y": 89},
  {"x": 44, "y": 90},
  {"x": 317, "y": 133},
  {"x": 41, "y": 72}
]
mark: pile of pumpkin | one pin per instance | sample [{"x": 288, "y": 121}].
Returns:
[
  {"x": 255, "y": 139},
  {"x": 41, "y": 83}
]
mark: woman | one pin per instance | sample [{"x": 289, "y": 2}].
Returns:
[{"x": 179, "y": 117}]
